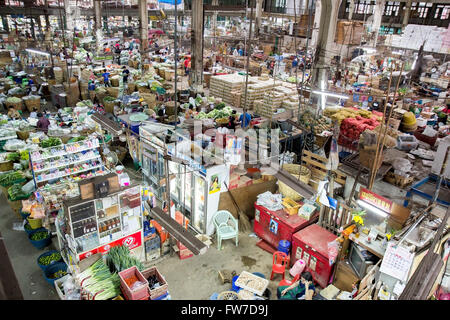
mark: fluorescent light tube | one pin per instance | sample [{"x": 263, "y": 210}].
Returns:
[
  {"x": 328, "y": 94},
  {"x": 372, "y": 208}
]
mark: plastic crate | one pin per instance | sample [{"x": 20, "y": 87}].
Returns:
[
  {"x": 430, "y": 140},
  {"x": 139, "y": 293},
  {"x": 162, "y": 289},
  {"x": 154, "y": 254}
]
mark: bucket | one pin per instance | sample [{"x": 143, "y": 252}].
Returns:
[
  {"x": 284, "y": 246},
  {"x": 40, "y": 244},
  {"x": 48, "y": 253},
  {"x": 51, "y": 269},
  {"x": 134, "y": 126},
  {"x": 234, "y": 287},
  {"x": 24, "y": 215},
  {"x": 34, "y": 223}
]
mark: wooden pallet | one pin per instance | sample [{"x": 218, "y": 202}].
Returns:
[{"x": 317, "y": 165}]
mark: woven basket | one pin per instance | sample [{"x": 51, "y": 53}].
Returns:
[
  {"x": 23, "y": 135},
  {"x": 115, "y": 81},
  {"x": 15, "y": 105},
  {"x": 120, "y": 151},
  {"x": 6, "y": 166},
  {"x": 131, "y": 87},
  {"x": 109, "y": 106},
  {"x": 294, "y": 169},
  {"x": 228, "y": 295}
]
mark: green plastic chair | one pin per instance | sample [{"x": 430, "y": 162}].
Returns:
[{"x": 226, "y": 227}]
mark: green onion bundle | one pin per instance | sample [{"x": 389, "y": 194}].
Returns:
[
  {"x": 119, "y": 259},
  {"x": 98, "y": 279}
]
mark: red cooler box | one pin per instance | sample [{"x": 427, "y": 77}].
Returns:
[
  {"x": 273, "y": 226},
  {"x": 311, "y": 245}
]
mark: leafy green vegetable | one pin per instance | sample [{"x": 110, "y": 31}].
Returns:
[
  {"x": 220, "y": 106},
  {"x": 7, "y": 179},
  {"x": 15, "y": 193},
  {"x": 50, "y": 142},
  {"x": 24, "y": 155},
  {"x": 119, "y": 259},
  {"x": 13, "y": 156}
]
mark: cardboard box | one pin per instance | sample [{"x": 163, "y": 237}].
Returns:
[{"x": 398, "y": 216}]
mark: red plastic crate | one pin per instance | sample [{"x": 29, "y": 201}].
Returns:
[
  {"x": 138, "y": 293},
  {"x": 181, "y": 246}
]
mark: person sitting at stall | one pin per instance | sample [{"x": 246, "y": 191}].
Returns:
[
  {"x": 245, "y": 119},
  {"x": 302, "y": 289},
  {"x": 13, "y": 113},
  {"x": 88, "y": 58},
  {"x": 43, "y": 123},
  {"x": 232, "y": 121},
  {"x": 189, "y": 114},
  {"x": 105, "y": 75}
]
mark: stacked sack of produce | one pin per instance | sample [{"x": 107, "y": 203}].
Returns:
[{"x": 351, "y": 129}]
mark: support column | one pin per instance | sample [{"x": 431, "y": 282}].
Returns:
[
  {"x": 4, "y": 17},
  {"x": 39, "y": 23},
  {"x": 316, "y": 23},
  {"x": 351, "y": 9},
  {"x": 5, "y": 23},
  {"x": 377, "y": 15},
  {"x": 325, "y": 41},
  {"x": 197, "y": 44},
  {"x": 214, "y": 23},
  {"x": 143, "y": 22},
  {"x": 406, "y": 13},
  {"x": 259, "y": 4},
  {"x": 68, "y": 15},
  {"x": 33, "y": 33}
]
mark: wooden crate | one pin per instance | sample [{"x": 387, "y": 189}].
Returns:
[
  {"x": 398, "y": 180},
  {"x": 317, "y": 165}
]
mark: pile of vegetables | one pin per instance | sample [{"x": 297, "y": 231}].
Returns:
[
  {"x": 50, "y": 142},
  {"x": 15, "y": 192},
  {"x": 97, "y": 278},
  {"x": 215, "y": 114},
  {"x": 7, "y": 179},
  {"x": 76, "y": 139},
  {"x": 109, "y": 99},
  {"x": 340, "y": 114},
  {"x": 351, "y": 129},
  {"x": 39, "y": 235},
  {"x": 46, "y": 260},
  {"x": 13, "y": 156},
  {"x": 119, "y": 259},
  {"x": 13, "y": 100},
  {"x": 3, "y": 121},
  {"x": 24, "y": 155}
]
